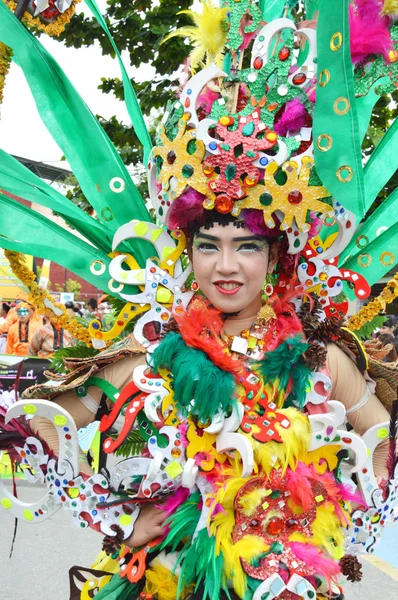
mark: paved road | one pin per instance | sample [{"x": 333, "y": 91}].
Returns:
[{"x": 38, "y": 569}]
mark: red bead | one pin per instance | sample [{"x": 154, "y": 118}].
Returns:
[
  {"x": 68, "y": 437},
  {"x": 120, "y": 323},
  {"x": 284, "y": 53},
  {"x": 299, "y": 79},
  {"x": 187, "y": 103},
  {"x": 295, "y": 197},
  {"x": 275, "y": 526},
  {"x": 347, "y": 440},
  {"x": 82, "y": 497},
  {"x": 258, "y": 62},
  {"x": 152, "y": 270}
]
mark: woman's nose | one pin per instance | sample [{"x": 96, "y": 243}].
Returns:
[{"x": 227, "y": 262}]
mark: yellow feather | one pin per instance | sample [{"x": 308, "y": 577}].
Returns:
[
  {"x": 327, "y": 532},
  {"x": 390, "y": 7},
  {"x": 248, "y": 548},
  {"x": 251, "y": 501},
  {"x": 209, "y": 35},
  {"x": 160, "y": 582},
  {"x": 323, "y": 459}
]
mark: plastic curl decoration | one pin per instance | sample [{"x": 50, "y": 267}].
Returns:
[{"x": 40, "y": 298}]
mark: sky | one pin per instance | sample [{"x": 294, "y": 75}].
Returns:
[{"x": 22, "y": 132}]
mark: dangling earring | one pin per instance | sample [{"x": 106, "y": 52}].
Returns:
[
  {"x": 191, "y": 283},
  {"x": 268, "y": 288},
  {"x": 194, "y": 285}
]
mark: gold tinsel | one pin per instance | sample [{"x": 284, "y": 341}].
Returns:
[
  {"x": 55, "y": 28},
  {"x": 38, "y": 295},
  {"x": 366, "y": 314},
  {"x": 5, "y": 62}
]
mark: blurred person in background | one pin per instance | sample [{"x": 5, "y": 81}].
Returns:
[
  {"x": 49, "y": 338},
  {"x": 21, "y": 333},
  {"x": 92, "y": 307},
  {"x": 4, "y": 310},
  {"x": 388, "y": 339},
  {"x": 69, "y": 308}
]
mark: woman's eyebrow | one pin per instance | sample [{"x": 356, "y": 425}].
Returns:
[
  {"x": 249, "y": 238},
  {"x": 206, "y": 236}
]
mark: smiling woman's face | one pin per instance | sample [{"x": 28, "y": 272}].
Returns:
[{"x": 230, "y": 266}]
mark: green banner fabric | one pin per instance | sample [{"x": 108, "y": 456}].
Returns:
[{"x": 337, "y": 142}]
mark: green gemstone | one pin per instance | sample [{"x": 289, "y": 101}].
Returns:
[
  {"x": 230, "y": 171},
  {"x": 318, "y": 437},
  {"x": 275, "y": 494},
  {"x": 327, "y": 439},
  {"x": 187, "y": 170},
  {"x": 266, "y": 199},
  {"x": 296, "y": 243},
  {"x": 261, "y": 38},
  {"x": 160, "y": 211},
  {"x": 250, "y": 395},
  {"x": 225, "y": 147},
  {"x": 251, "y": 154},
  {"x": 277, "y": 548},
  {"x": 337, "y": 438},
  {"x": 310, "y": 594},
  {"x": 248, "y": 129}
]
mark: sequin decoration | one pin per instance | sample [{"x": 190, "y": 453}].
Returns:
[
  {"x": 336, "y": 41},
  {"x": 244, "y": 16},
  {"x": 293, "y": 199},
  {"x": 324, "y": 142},
  {"x": 387, "y": 259},
  {"x": 344, "y": 174},
  {"x": 239, "y": 148},
  {"x": 341, "y": 106}
]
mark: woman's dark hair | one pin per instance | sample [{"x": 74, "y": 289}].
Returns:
[
  {"x": 6, "y": 307},
  {"x": 69, "y": 304},
  {"x": 92, "y": 303}
]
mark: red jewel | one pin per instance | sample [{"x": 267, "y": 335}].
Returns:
[
  {"x": 258, "y": 62},
  {"x": 224, "y": 204},
  {"x": 284, "y": 53},
  {"x": 63, "y": 498},
  {"x": 295, "y": 197},
  {"x": 187, "y": 103},
  {"x": 177, "y": 443},
  {"x": 152, "y": 270},
  {"x": 275, "y": 526},
  {"x": 347, "y": 440},
  {"x": 68, "y": 437},
  {"x": 70, "y": 483},
  {"x": 195, "y": 286},
  {"x": 348, "y": 224},
  {"x": 299, "y": 79},
  {"x": 120, "y": 323},
  {"x": 40, "y": 511},
  {"x": 147, "y": 493},
  {"x": 82, "y": 497},
  {"x": 364, "y": 470}
]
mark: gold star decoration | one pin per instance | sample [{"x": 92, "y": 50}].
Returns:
[
  {"x": 182, "y": 159},
  {"x": 293, "y": 199}
]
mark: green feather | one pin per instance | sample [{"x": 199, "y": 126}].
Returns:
[
  {"x": 365, "y": 332},
  {"x": 195, "y": 377},
  {"x": 286, "y": 363}
]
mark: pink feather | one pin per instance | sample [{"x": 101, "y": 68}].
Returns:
[
  {"x": 299, "y": 486},
  {"x": 369, "y": 10},
  {"x": 293, "y": 118},
  {"x": 186, "y": 209},
  {"x": 368, "y": 36},
  {"x": 312, "y": 556},
  {"x": 207, "y": 98}
]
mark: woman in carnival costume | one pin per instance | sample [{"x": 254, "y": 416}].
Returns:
[{"x": 232, "y": 393}]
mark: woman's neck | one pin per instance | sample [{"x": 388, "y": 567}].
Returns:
[{"x": 244, "y": 319}]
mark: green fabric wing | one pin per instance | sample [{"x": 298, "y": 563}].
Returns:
[{"x": 95, "y": 162}]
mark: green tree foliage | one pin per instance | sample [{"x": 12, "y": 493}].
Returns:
[{"x": 138, "y": 27}]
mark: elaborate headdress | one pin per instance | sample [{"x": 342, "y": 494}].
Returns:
[{"x": 274, "y": 122}]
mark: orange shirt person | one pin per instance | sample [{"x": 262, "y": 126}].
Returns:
[{"x": 21, "y": 333}]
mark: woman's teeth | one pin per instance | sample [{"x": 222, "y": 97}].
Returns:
[{"x": 228, "y": 286}]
